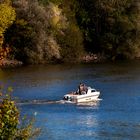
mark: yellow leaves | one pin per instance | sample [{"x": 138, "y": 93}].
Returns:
[
  {"x": 7, "y": 16},
  {"x": 57, "y": 19},
  {"x": 10, "y": 89},
  {"x": 55, "y": 14},
  {"x": 9, "y": 120},
  {"x": 9, "y": 116},
  {"x": 21, "y": 22}
]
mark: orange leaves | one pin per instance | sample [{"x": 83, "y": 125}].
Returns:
[{"x": 4, "y": 52}]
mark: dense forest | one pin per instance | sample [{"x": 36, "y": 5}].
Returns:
[{"x": 45, "y": 31}]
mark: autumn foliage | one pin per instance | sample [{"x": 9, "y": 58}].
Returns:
[
  {"x": 7, "y": 16},
  {"x": 44, "y": 31},
  {"x": 4, "y": 52},
  {"x": 11, "y": 124}
]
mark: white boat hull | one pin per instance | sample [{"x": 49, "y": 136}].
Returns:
[
  {"x": 91, "y": 95},
  {"x": 87, "y": 98}
]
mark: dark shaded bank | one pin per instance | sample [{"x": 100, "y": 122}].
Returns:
[
  {"x": 88, "y": 58},
  {"x": 93, "y": 58},
  {"x": 7, "y": 63}
]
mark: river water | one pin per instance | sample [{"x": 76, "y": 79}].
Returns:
[{"x": 116, "y": 116}]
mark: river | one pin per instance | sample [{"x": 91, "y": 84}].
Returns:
[{"x": 116, "y": 116}]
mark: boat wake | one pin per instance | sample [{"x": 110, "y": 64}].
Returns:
[{"x": 28, "y": 102}]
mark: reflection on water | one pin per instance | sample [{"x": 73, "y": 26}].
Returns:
[
  {"x": 92, "y": 104},
  {"x": 88, "y": 123},
  {"x": 43, "y": 87}
]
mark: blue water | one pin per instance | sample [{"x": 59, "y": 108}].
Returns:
[{"x": 116, "y": 116}]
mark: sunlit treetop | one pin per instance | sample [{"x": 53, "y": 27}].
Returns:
[{"x": 7, "y": 17}]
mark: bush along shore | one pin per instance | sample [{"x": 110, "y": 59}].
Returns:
[
  {"x": 93, "y": 58},
  {"x": 6, "y": 63},
  {"x": 5, "y": 60},
  {"x": 87, "y": 58}
]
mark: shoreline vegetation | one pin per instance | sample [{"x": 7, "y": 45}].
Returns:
[
  {"x": 6, "y": 63},
  {"x": 89, "y": 58},
  {"x": 74, "y": 31},
  {"x": 13, "y": 126}
]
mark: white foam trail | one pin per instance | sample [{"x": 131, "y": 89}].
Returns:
[
  {"x": 48, "y": 102},
  {"x": 99, "y": 99}
]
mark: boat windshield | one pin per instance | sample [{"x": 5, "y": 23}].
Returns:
[{"x": 93, "y": 90}]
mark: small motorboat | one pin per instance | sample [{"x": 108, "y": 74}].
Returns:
[{"x": 89, "y": 95}]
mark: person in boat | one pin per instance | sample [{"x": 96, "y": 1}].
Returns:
[
  {"x": 79, "y": 89},
  {"x": 85, "y": 89},
  {"x": 82, "y": 89}
]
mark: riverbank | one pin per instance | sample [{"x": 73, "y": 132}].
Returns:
[
  {"x": 4, "y": 63},
  {"x": 87, "y": 58},
  {"x": 93, "y": 58}
]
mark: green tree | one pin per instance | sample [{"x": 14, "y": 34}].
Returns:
[
  {"x": 19, "y": 37},
  {"x": 34, "y": 41},
  {"x": 110, "y": 26},
  {"x": 70, "y": 37},
  {"x": 11, "y": 127},
  {"x": 41, "y": 32}
]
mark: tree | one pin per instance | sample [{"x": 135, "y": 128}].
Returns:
[
  {"x": 7, "y": 17},
  {"x": 44, "y": 33},
  {"x": 34, "y": 40},
  {"x": 120, "y": 31},
  {"x": 10, "y": 124},
  {"x": 110, "y": 26}
]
